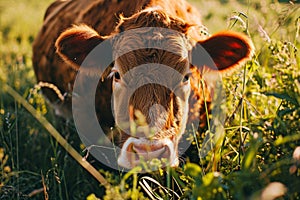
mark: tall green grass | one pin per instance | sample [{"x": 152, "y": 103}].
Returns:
[{"x": 254, "y": 153}]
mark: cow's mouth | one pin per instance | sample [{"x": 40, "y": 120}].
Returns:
[{"x": 138, "y": 150}]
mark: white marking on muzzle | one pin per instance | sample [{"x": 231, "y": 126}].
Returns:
[{"x": 136, "y": 149}]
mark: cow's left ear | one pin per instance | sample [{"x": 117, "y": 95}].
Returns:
[
  {"x": 75, "y": 44},
  {"x": 227, "y": 50}
]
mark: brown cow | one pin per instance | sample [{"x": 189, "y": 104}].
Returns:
[{"x": 73, "y": 28}]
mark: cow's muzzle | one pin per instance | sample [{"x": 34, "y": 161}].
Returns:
[{"x": 138, "y": 150}]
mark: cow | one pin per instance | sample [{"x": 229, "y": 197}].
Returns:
[{"x": 73, "y": 28}]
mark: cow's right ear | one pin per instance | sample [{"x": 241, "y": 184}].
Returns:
[
  {"x": 223, "y": 52},
  {"x": 74, "y": 44}
]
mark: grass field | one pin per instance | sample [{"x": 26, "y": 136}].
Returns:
[{"x": 254, "y": 159}]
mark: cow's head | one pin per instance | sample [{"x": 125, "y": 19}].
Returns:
[{"x": 152, "y": 117}]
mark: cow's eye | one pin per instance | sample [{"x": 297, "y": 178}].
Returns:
[
  {"x": 186, "y": 78},
  {"x": 117, "y": 76}
]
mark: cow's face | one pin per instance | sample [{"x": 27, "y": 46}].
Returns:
[
  {"x": 150, "y": 95},
  {"x": 151, "y": 86}
]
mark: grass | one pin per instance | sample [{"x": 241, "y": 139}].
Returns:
[{"x": 254, "y": 153}]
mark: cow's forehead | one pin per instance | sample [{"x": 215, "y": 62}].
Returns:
[
  {"x": 148, "y": 37},
  {"x": 149, "y": 45}
]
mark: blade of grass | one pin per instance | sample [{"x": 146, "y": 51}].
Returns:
[
  {"x": 290, "y": 138},
  {"x": 86, "y": 165}
]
